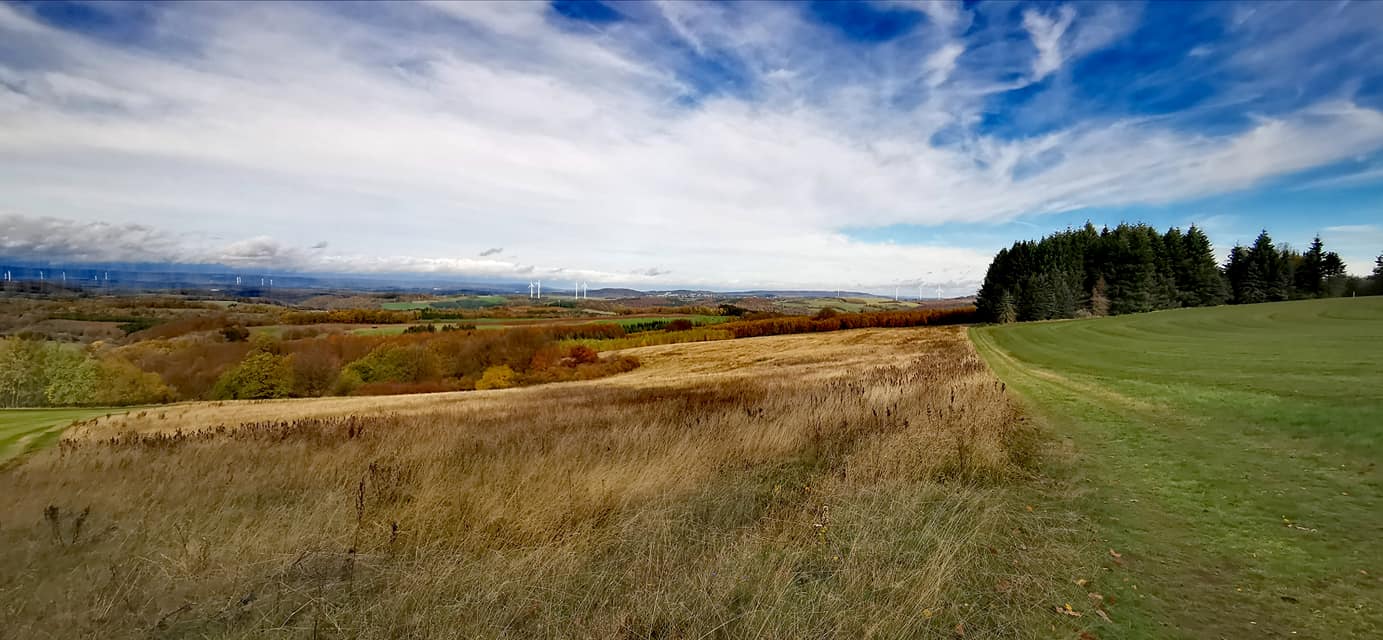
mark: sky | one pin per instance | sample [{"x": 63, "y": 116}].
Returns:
[{"x": 859, "y": 145}]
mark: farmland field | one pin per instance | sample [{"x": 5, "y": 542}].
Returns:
[
  {"x": 460, "y": 302},
  {"x": 846, "y": 484},
  {"x": 1228, "y": 454},
  {"x": 507, "y": 323}
]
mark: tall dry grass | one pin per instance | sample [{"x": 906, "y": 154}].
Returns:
[{"x": 860, "y": 501}]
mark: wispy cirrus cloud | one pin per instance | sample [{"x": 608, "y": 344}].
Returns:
[{"x": 734, "y": 156}]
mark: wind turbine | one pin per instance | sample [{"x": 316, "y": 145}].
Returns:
[
  {"x": 530, "y": 289},
  {"x": 540, "y": 289}
]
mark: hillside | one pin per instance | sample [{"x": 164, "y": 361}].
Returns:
[
  {"x": 1228, "y": 454},
  {"x": 851, "y": 483}
]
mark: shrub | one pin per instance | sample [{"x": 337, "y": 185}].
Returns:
[
  {"x": 260, "y": 375},
  {"x": 582, "y": 354},
  {"x": 235, "y": 333},
  {"x": 396, "y": 363},
  {"x": 496, "y": 377}
]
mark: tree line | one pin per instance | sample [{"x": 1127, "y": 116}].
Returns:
[{"x": 1134, "y": 268}]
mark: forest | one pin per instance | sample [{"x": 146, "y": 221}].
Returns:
[{"x": 1134, "y": 268}]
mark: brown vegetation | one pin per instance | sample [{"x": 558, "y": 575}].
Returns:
[
  {"x": 830, "y": 320},
  {"x": 831, "y": 485}
]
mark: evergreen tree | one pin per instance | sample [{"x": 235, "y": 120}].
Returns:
[
  {"x": 1332, "y": 266},
  {"x": 1133, "y": 285},
  {"x": 1005, "y": 310},
  {"x": 1237, "y": 274},
  {"x": 1309, "y": 276},
  {"x": 1268, "y": 272},
  {"x": 1202, "y": 283},
  {"x": 1377, "y": 276},
  {"x": 1134, "y": 268}
]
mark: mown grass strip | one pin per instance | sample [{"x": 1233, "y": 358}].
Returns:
[{"x": 1227, "y": 454}]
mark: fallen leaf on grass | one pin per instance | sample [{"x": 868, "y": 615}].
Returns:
[
  {"x": 1004, "y": 586},
  {"x": 1096, "y": 597},
  {"x": 1103, "y": 616},
  {"x": 1086, "y": 635},
  {"x": 960, "y": 628},
  {"x": 928, "y": 613},
  {"x": 1068, "y": 611},
  {"x": 1118, "y": 557},
  {"x": 1082, "y": 582}
]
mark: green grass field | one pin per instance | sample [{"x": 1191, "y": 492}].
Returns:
[
  {"x": 460, "y": 302},
  {"x": 23, "y": 430},
  {"x": 1228, "y": 454}
]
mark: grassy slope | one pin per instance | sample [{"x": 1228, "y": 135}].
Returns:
[
  {"x": 1228, "y": 454},
  {"x": 848, "y": 484},
  {"x": 26, "y": 429}
]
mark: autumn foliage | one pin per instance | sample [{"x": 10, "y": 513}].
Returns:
[{"x": 782, "y": 325}]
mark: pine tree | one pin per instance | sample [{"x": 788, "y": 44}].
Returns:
[
  {"x": 1377, "y": 276},
  {"x": 1133, "y": 278},
  {"x": 1268, "y": 274},
  {"x": 1309, "y": 276},
  {"x": 1237, "y": 273},
  {"x": 1204, "y": 284},
  {"x": 1005, "y": 310}
]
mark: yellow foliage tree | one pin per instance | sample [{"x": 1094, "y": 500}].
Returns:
[{"x": 496, "y": 377}]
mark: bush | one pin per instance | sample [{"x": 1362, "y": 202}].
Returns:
[
  {"x": 496, "y": 377},
  {"x": 235, "y": 333},
  {"x": 396, "y": 363},
  {"x": 582, "y": 354},
  {"x": 260, "y": 375}
]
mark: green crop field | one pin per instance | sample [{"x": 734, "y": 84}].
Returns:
[
  {"x": 1228, "y": 455},
  {"x": 26, "y": 429},
  {"x": 461, "y": 302}
]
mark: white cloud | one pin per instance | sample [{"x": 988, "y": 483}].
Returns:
[
  {"x": 1046, "y": 35},
  {"x": 580, "y": 150},
  {"x": 1355, "y": 179},
  {"x": 942, "y": 62}
]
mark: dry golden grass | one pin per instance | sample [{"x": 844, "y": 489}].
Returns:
[{"x": 850, "y": 484}]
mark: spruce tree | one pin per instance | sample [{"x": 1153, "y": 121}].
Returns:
[
  {"x": 1237, "y": 274},
  {"x": 1377, "y": 276},
  {"x": 1268, "y": 274},
  {"x": 1205, "y": 284},
  {"x": 1132, "y": 287},
  {"x": 1309, "y": 276}
]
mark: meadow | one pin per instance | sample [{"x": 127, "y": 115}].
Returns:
[
  {"x": 869, "y": 483},
  {"x": 22, "y": 430},
  {"x": 1228, "y": 455}
]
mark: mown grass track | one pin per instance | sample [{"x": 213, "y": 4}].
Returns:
[{"x": 1228, "y": 454}]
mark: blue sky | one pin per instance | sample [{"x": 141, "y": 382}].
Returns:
[{"x": 861, "y": 145}]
